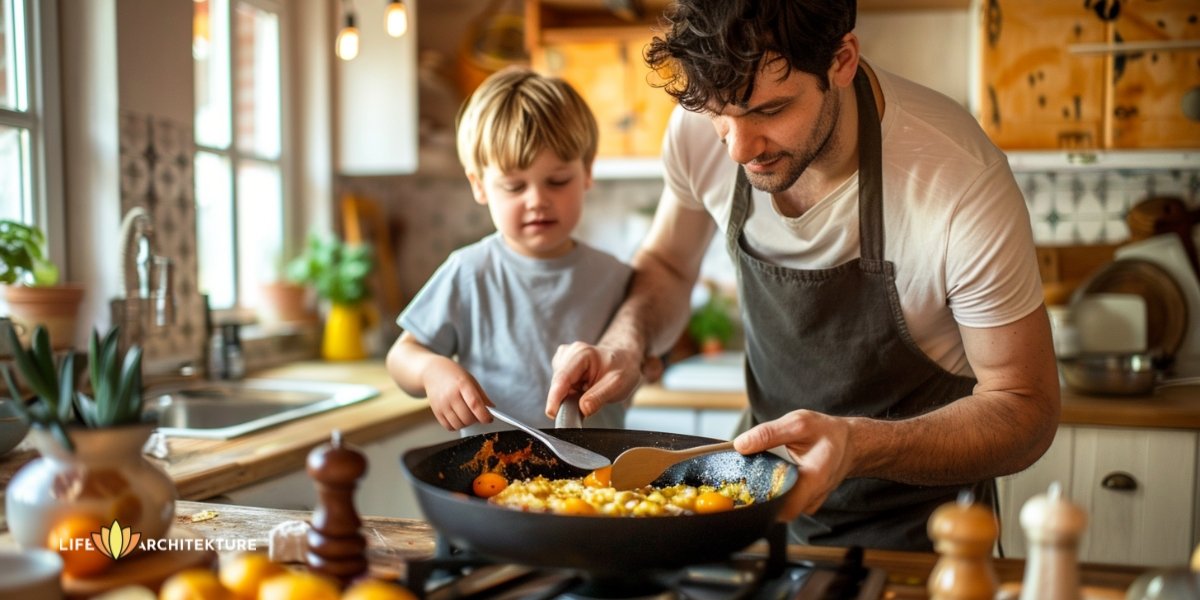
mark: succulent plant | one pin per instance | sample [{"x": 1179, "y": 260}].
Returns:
[{"x": 116, "y": 382}]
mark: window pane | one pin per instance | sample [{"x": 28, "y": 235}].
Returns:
[
  {"x": 210, "y": 51},
  {"x": 16, "y": 197},
  {"x": 257, "y": 82},
  {"x": 260, "y": 224},
  {"x": 14, "y": 94},
  {"x": 214, "y": 228}
]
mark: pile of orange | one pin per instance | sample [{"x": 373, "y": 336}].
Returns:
[
  {"x": 253, "y": 576},
  {"x": 71, "y": 537}
]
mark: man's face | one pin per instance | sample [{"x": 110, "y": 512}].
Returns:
[{"x": 785, "y": 125}]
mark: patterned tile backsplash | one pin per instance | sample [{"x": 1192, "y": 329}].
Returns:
[{"x": 439, "y": 213}]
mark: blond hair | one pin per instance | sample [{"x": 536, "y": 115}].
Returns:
[{"x": 515, "y": 114}]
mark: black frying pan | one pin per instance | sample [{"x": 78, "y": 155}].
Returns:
[{"x": 442, "y": 477}]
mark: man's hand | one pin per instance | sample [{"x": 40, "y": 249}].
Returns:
[
  {"x": 454, "y": 396},
  {"x": 821, "y": 448},
  {"x": 599, "y": 374}
]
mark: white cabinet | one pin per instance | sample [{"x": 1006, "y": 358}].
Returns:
[
  {"x": 713, "y": 423},
  {"x": 1138, "y": 486},
  {"x": 383, "y": 492}
]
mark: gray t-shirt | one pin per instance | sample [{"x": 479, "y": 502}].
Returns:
[{"x": 503, "y": 315}]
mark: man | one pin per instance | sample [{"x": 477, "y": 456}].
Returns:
[{"x": 896, "y": 341}]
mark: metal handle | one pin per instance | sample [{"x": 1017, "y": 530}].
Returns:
[
  {"x": 569, "y": 416},
  {"x": 1119, "y": 481}
]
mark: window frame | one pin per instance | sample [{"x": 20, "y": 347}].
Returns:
[
  {"x": 42, "y": 118},
  {"x": 235, "y": 156}
]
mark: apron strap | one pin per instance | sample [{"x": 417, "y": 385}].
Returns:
[{"x": 870, "y": 171}]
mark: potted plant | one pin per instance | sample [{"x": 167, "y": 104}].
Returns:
[
  {"x": 284, "y": 300},
  {"x": 91, "y": 469},
  {"x": 31, "y": 287},
  {"x": 338, "y": 272},
  {"x": 711, "y": 324}
]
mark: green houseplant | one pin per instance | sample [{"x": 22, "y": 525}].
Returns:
[
  {"x": 338, "y": 272},
  {"x": 31, "y": 285},
  {"x": 711, "y": 325},
  {"x": 90, "y": 440}
]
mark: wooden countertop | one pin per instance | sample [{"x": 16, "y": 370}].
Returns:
[{"x": 1171, "y": 407}]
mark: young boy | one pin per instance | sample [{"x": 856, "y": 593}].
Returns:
[{"x": 503, "y": 305}]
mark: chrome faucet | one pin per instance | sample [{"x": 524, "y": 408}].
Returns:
[{"x": 148, "y": 302}]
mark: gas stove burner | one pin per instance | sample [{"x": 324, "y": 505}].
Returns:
[{"x": 454, "y": 573}]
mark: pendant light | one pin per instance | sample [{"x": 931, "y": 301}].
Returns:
[
  {"x": 346, "y": 45},
  {"x": 395, "y": 18}
]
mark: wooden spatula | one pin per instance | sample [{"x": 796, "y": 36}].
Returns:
[{"x": 639, "y": 467}]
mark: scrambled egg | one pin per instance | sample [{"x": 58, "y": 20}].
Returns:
[{"x": 574, "y": 497}]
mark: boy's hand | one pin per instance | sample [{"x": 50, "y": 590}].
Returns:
[{"x": 454, "y": 395}]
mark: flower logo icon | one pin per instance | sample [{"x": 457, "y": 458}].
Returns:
[{"x": 115, "y": 542}]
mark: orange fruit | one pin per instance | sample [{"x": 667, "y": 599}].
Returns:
[
  {"x": 298, "y": 585},
  {"x": 375, "y": 589},
  {"x": 193, "y": 584},
  {"x": 243, "y": 574},
  {"x": 489, "y": 484},
  {"x": 71, "y": 537},
  {"x": 577, "y": 506},
  {"x": 600, "y": 478},
  {"x": 711, "y": 502}
]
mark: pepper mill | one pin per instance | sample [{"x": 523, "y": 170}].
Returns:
[
  {"x": 336, "y": 547},
  {"x": 1053, "y": 526},
  {"x": 963, "y": 533}
]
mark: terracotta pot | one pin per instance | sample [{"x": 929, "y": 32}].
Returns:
[
  {"x": 284, "y": 302},
  {"x": 54, "y": 307},
  {"x": 106, "y": 477}
]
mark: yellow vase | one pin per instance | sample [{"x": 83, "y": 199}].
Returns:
[{"x": 343, "y": 339}]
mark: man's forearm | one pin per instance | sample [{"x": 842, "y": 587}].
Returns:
[
  {"x": 655, "y": 310},
  {"x": 975, "y": 438}
]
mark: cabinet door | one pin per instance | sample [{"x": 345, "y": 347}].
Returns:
[
  {"x": 1015, "y": 490},
  {"x": 1150, "y": 87},
  {"x": 1035, "y": 93},
  {"x": 613, "y": 77},
  {"x": 1151, "y": 524}
]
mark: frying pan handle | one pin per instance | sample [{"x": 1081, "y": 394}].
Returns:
[{"x": 569, "y": 415}]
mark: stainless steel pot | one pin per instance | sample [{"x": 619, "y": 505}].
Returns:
[{"x": 1109, "y": 374}]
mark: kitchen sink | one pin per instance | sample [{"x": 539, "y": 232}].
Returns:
[{"x": 228, "y": 409}]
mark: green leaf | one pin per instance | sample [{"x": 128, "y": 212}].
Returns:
[
  {"x": 60, "y": 433},
  {"x": 129, "y": 393},
  {"x": 44, "y": 355},
  {"x": 26, "y": 365},
  {"x": 93, "y": 351},
  {"x": 15, "y": 392},
  {"x": 66, "y": 387}
]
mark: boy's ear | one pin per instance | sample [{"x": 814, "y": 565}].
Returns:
[
  {"x": 588, "y": 180},
  {"x": 477, "y": 189}
]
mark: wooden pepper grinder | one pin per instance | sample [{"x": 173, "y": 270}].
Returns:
[
  {"x": 336, "y": 547},
  {"x": 1053, "y": 526},
  {"x": 963, "y": 533}
]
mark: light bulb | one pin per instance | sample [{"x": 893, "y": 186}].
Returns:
[
  {"x": 395, "y": 19},
  {"x": 347, "y": 40}
]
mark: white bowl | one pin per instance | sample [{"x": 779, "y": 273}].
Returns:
[{"x": 30, "y": 575}]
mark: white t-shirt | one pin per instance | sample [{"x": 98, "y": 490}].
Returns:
[{"x": 955, "y": 223}]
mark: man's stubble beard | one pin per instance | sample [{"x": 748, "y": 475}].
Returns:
[{"x": 819, "y": 143}]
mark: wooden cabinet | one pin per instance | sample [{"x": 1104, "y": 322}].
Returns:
[
  {"x": 1050, "y": 78},
  {"x": 1138, "y": 487}
]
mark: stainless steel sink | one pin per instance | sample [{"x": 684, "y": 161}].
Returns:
[{"x": 227, "y": 409}]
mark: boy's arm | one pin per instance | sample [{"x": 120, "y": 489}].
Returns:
[{"x": 455, "y": 397}]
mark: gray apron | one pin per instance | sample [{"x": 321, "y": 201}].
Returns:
[{"x": 834, "y": 341}]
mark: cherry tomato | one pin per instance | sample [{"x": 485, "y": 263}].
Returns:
[
  {"x": 489, "y": 484},
  {"x": 711, "y": 502},
  {"x": 577, "y": 506},
  {"x": 600, "y": 478}
]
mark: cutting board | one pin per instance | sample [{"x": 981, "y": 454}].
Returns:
[{"x": 149, "y": 568}]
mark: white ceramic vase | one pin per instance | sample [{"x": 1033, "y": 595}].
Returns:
[{"x": 106, "y": 477}]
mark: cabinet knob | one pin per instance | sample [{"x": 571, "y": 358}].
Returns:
[{"x": 1120, "y": 481}]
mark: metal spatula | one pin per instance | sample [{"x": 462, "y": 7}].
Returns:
[
  {"x": 639, "y": 467},
  {"x": 571, "y": 454}
]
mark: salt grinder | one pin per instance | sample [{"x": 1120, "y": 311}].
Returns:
[
  {"x": 336, "y": 547},
  {"x": 963, "y": 533},
  {"x": 1053, "y": 526}
]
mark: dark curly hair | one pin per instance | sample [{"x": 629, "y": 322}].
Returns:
[{"x": 710, "y": 51}]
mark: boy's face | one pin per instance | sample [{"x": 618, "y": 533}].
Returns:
[{"x": 535, "y": 209}]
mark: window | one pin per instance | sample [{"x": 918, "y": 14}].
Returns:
[
  {"x": 24, "y": 155},
  {"x": 236, "y": 47}
]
